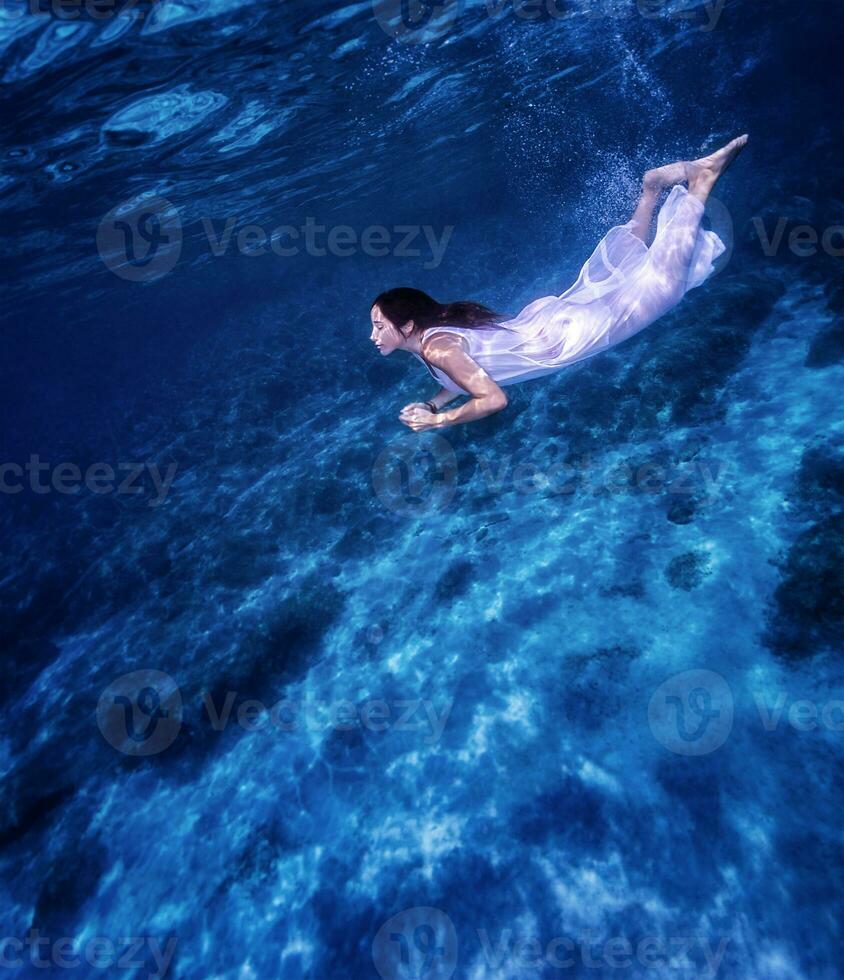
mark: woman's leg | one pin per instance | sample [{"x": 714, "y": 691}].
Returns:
[
  {"x": 703, "y": 173},
  {"x": 700, "y": 175},
  {"x": 643, "y": 214},
  {"x": 653, "y": 182},
  {"x": 670, "y": 257},
  {"x": 663, "y": 282}
]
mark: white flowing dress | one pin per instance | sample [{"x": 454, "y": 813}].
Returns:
[{"x": 623, "y": 287}]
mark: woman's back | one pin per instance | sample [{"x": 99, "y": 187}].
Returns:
[{"x": 545, "y": 336}]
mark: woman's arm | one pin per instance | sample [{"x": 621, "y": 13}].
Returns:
[
  {"x": 485, "y": 396},
  {"x": 443, "y": 397}
]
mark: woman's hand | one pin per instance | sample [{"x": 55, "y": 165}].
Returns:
[{"x": 418, "y": 417}]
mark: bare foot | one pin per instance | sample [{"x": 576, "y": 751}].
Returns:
[
  {"x": 702, "y": 174},
  {"x": 671, "y": 173}
]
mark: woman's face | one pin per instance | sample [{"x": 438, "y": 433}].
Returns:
[{"x": 385, "y": 335}]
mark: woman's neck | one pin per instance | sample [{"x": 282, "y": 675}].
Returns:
[{"x": 413, "y": 343}]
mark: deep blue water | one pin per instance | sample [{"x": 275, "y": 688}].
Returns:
[{"x": 558, "y": 693}]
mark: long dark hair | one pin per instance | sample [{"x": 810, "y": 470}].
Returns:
[{"x": 404, "y": 303}]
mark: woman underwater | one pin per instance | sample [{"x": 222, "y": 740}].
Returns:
[{"x": 623, "y": 288}]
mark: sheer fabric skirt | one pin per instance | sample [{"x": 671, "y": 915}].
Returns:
[{"x": 623, "y": 287}]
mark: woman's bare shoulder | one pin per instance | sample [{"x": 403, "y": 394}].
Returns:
[{"x": 440, "y": 345}]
